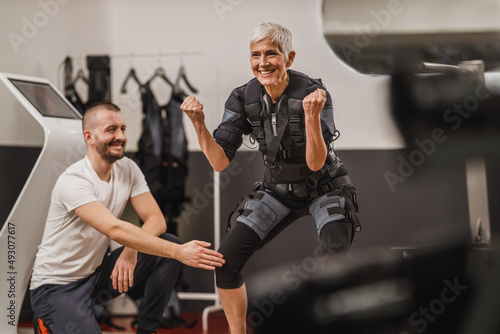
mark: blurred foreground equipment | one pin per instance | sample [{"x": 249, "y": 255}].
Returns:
[
  {"x": 450, "y": 105},
  {"x": 444, "y": 113},
  {"x": 434, "y": 291}
]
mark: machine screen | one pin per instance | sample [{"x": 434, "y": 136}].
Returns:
[{"x": 45, "y": 99}]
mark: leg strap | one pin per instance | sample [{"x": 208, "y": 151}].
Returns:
[
  {"x": 337, "y": 206},
  {"x": 264, "y": 212}
]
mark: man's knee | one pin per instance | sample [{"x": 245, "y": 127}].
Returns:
[
  {"x": 171, "y": 238},
  {"x": 66, "y": 315},
  {"x": 170, "y": 264},
  {"x": 40, "y": 327}
]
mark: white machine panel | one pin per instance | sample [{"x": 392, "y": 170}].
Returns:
[{"x": 22, "y": 232}]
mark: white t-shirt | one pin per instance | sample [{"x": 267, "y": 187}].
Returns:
[{"x": 71, "y": 249}]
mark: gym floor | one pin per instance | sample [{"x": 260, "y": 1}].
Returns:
[{"x": 216, "y": 325}]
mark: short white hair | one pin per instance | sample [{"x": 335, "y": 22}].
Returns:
[{"x": 278, "y": 34}]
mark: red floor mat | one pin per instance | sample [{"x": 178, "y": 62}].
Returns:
[{"x": 217, "y": 324}]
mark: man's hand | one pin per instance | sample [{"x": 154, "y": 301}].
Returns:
[
  {"x": 123, "y": 272},
  {"x": 196, "y": 254},
  {"x": 193, "y": 109},
  {"x": 314, "y": 103}
]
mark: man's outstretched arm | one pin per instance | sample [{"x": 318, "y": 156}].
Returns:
[{"x": 194, "y": 253}]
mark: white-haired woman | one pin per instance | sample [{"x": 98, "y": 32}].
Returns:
[{"x": 291, "y": 117}]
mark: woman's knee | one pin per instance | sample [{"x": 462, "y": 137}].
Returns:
[
  {"x": 336, "y": 236},
  {"x": 228, "y": 277}
]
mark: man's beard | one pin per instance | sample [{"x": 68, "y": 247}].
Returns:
[{"x": 104, "y": 151}]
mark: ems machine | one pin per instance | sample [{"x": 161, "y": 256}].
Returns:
[{"x": 34, "y": 113}]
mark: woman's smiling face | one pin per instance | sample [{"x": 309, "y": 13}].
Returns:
[{"x": 269, "y": 64}]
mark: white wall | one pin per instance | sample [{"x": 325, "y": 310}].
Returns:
[
  {"x": 409, "y": 16},
  {"x": 220, "y": 29}
]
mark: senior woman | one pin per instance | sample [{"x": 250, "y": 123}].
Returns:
[{"x": 290, "y": 116}]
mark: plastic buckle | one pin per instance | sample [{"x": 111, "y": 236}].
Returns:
[
  {"x": 311, "y": 183},
  {"x": 272, "y": 165},
  {"x": 295, "y": 130}
]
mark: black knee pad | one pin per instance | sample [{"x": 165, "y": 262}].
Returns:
[
  {"x": 336, "y": 236},
  {"x": 238, "y": 246}
]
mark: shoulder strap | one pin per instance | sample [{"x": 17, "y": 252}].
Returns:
[
  {"x": 296, "y": 91},
  {"x": 253, "y": 108},
  {"x": 274, "y": 138},
  {"x": 297, "y": 87}
]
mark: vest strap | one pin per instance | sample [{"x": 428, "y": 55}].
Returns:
[{"x": 273, "y": 142}]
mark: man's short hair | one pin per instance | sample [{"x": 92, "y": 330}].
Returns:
[
  {"x": 278, "y": 34},
  {"x": 90, "y": 111}
]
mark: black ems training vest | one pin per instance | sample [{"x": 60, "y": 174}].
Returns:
[{"x": 279, "y": 129}]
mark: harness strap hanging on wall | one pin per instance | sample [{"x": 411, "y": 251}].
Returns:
[
  {"x": 99, "y": 78},
  {"x": 162, "y": 151},
  {"x": 70, "y": 91}
]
